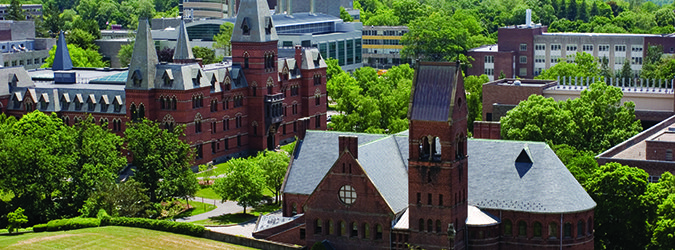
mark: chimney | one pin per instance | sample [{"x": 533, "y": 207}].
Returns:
[
  {"x": 288, "y": 8},
  {"x": 350, "y": 143},
  {"x": 303, "y": 124},
  {"x": 298, "y": 55},
  {"x": 528, "y": 18},
  {"x": 311, "y": 6}
]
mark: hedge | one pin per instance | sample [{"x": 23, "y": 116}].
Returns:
[
  {"x": 160, "y": 225},
  {"x": 40, "y": 228},
  {"x": 72, "y": 223}
]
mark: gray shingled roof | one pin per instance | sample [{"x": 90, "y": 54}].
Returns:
[
  {"x": 386, "y": 168},
  {"x": 546, "y": 186},
  {"x": 183, "y": 50},
  {"x": 62, "y": 59},
  {"x": 432, "y": 92},
  {"x": 256, "y": 15}
]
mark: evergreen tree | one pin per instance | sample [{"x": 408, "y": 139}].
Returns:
[
  {"x": 625, "y": 74},
  {"x": 594, "y": 9},
  {"x": 554, "y": 4},
  {"x": 14, "y": 11},
  {"x": 572, "y": 10},
  {"x": 583, "y": 11},
  {"x": 562, "y": 12},
  {"x": 605, "y": 70}
]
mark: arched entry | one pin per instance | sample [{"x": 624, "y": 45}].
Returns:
[{"x": 271, "y": 141}]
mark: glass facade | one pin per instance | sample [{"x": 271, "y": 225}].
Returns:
[
  {"x": 358, "y": 50},
  {"x": 314, "y": 28},
  {"x": 350, "y": 51}
]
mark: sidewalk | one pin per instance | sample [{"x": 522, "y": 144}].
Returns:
[{"x": 221, "y": 208}]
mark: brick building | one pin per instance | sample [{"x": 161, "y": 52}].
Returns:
[
  {"x": 526, "y": 50},
  {"x": 252, "y": 103},
  {"x": 429, "y": 187}
]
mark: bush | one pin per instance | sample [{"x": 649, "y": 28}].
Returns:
[
  {"x": 40, "y": 228},
  {"x": 160, "y": 225},
  {"x": 73, "y": 223}
]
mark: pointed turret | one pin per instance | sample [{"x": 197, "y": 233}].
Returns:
[
  {"x": 254, "y": 23},
  {"x": 144, "y": 59},
  {"x": 183, "y": 52},
  {"x": 62, "y": 59}
]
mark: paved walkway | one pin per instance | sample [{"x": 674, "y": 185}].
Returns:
[
  {"x": 227, "y": 207},
  {"x": 243, "y": 229}
]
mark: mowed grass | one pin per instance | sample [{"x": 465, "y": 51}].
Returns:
[
  {"x": 208, "y": 193},
  {"x": 197, "y": 208},
  {"x": 111, "y": 237}
]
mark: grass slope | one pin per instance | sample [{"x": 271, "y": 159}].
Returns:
[{"x": 111, "y": 237}]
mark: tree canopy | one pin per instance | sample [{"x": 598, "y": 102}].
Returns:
[
  {"x": 86, "y": 58},
  {"x": 595, "y": 121},
  {"x": 243, "y": 182}
]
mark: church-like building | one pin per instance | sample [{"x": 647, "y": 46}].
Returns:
[
  {"x": 429, "y": 187},
  {"x": 253, "y": 102}
]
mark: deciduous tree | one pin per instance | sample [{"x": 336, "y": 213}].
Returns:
[
  {"x": 274, "y": 165},
  {"x": 243, "y": 183},
  {"x": 222, "y": 39}
]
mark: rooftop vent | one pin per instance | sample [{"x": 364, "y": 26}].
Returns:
[{"x": 516, "y": 82}]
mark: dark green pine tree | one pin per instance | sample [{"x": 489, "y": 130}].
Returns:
[
  {"x": 626, "y": 74},
  {"x": 572, "y": 10},
  {"x": 583, "y": 12},
  {"x": 594, "y": 9},
  {"x": 14, "y": 11},
  {"x": 554, "y": 4},
  {"x": 562, "y": 12}
]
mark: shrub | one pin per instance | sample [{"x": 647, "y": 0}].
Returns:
[
  {"x": 16, "y": 219},
  {"x": 73, "y": 223},
  {"x": 160, "y": 225},
  {"x": 40, "y": 228}
]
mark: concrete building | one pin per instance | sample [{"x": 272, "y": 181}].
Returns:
[
  {"x": 429, "y": 187},
  {"x": 20, "y": 47},
  {"x": 196, "y": 9},
  {"x": 254, "y": 102},
  {"x": 200, "y": 9},
  {"x": 526, "y": 50},
  {"x": 382, "y": 47},
  {"x": 30, "y": 10}
]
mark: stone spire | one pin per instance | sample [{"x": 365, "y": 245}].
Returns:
[
  {"x": 62, "y": 59},
  {"x": 144, "y": 59},
  {"x": 183, "y": 52},
  {"x": 254, "y": 23}
]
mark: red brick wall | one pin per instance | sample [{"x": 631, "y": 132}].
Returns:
[
  {"x": 486, "y": 130},
  {"x": 291, "y": 236},
  {"x": 506, "y": 94},
  {"x": 656, "y": 150},
  {"x": 510, "y": 39}
]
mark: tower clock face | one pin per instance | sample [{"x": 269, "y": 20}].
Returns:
[{"x": 347, "y": 195}]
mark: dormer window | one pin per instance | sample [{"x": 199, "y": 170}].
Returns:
[
  {"x": 91, "y": 102},
  {"x": 104, "y": 103},
  {"x": 245, "y": 28},
  {"x": 213, "y": 83},
  {"x": 65, "y": 101},
  {"x": 13, "y": 80},
  {"x": 168, "y": 78},
  {"x": 78, "y": 102},
  {"x": 269, "y": 26},
  {"x": 118, "y": 103},
  {"x": 137, "y": 78},
  {"x": 197, "y": 78}
]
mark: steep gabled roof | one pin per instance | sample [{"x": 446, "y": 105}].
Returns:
[
  {"x": 183, "y": 50},
  {"x": 433, "y": 92},
  {"x": 62, "y": 59},
  {"x": 498, "y": 181},
  {"x": 254, "y": 23}
]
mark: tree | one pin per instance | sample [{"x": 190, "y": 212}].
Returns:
[
  {"x": 88, "y": 58},
  {"x": 474, "y": 97},
  {"x": 582, "y": 14},
  {"x": 435, "y": 38},
  {"x": 333, "y": 68},
  {"x": 125, "y": 53},
  {"x": 82, "y": 39},
  {"x": 409, "y": 10},
  {"x": 15, "y": 220},
  {"x": 207, "y": 55},
  {"x": 222, "y": 39},
  {"x": 625, "y": 75},
  {"x": 243, "y": 183},
  {"x": 593, "y": 122},
  {"x": 15, "y": 11},
  {"x": 650, "y": 68},
  {"x": 383, "y": 17},
  {"x": 274, "y": 165},
  {"x": 126, "y": 199},
  {"x": 572, "y": 10},
  {"x": 164, "y": 55},
  {"x": 584, "y": 65},
  {"x": 620, "y": 220},
  {"x": 156, "y": 154},
  {"x": 345, "y": 16},
  {"x": 179, "y": 182}
]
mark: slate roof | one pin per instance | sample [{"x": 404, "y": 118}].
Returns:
[
  {"x": 62, "y": 59},
  {"x": 256, "y": 15},
  {"x": 433, "y": 92},
  {"x": 545, "y": 186},
  {"x": 183, "y": 50},
  {"x": 385, "y": 167}
]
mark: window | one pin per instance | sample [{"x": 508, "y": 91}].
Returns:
[
  {"x": 554, "y": 59},
  {"x": 540, "y": 46},
  {"x": 636, "y": 48},
  {"x": 537, "y": 229},
  {"x": 522, "y": 72},
  {"x": 619, "y": 48},
  {"x": 555, "y": 47},
  {"x": 331, "y": 230},
  {"x": 507, "y": 227},
  {"x": 238, "y": 140},
  {"x": 429, "y": 199},
  {"x": 226, "y": 142},
  {"x": 522, "y": 229},
  {"x": 587, "y": 47},
  {"x": 489, "y": 59},
  {"x": 214, "y": 105},
  {"x": 636, "y": 60},
  {"x": 430, "y": 225},
  {"x": 489, "y": 71},
  {"x": 523, "y": 59},
  {"x": 603, "y": 47},
  {"x": 317, "y": 100},
  {"x": 347, "y": 194},
  {"x": 366, "y": 231},
  {"x": 440, "y": 200},
  {"x": 317, "y": 121},
  {"x": 199, "y": 154},
  {"x": 540, "y": 59},
  {"x": 419, "y": 198},
  {"x": 567, "y": 230},
  {"x": 213, "y": 127},
  {"x": 226, "y": 124},
  {"x": 619, "y": 60},
  {"x": 669, "y": 155},
  {"x": 198, "y": 126},
  {"x": 355, "y": 230},
  {"x": 213, "y": 147},
  {"x": 552, "y": 230},
  {"x": 523, "y": 47},
  {"x": 580, "y": 228},
  {"x": 438, "y": 226},
  {"x": 317, "y": 226},
  {"x": 317, "y": 79},
  {"x": 572, "y": 47},
  {"x": 343, "y": 229},
  {"x": 237, "y": 122}
]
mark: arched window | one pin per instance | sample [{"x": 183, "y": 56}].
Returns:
[
  {"x": 424, "y": 149},
  {"x": 173, "y": 103},
  {"x": 436, "y": 149},
  {"x": 331, "y": 227},
  {"x": 552, "y": 230},
  {"x": 246, "y": 60},
  {"x": 438, "y": 226},
  {"x": 567, "y": 230},
  {"x": 378, "y": 232},
  {"x": 141, "y": 111},
  {"x": 355, "y": 230},
  {"x": 430, "y": 225},
  {"x": 522, "y": 229},
  {"x": 343, "y": 228},
  {"x": 590, "y": 225},
  {"x": 421, "y": 225},
  {"x": 366, "y": 231},
  {"x": 508, "y": 227},
  {"x": 162, "y": 104},
  {"x": 294, "y": 208},
  {"x": 580, "y": 228},
  {"x": 134, "y": 113},
  {"x": 318, "y": 226},
  {"x": 537, "y": 229}
]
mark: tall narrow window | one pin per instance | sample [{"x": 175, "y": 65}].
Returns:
[
  {"x": 522, "y": 229},
  {"x": 552, "y": 230},
  {"x": 366, "y": 231},
  {"x": 507, "y": 227},
  {"x": 537, "y": 229},
  {"x": 378, "y": 232}
]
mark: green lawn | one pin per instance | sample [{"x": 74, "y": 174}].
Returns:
[
  {"x": 208, "y": 193},
  {"x": 215, "y": 171},
  {"x": 111, "y": 237},
  {"x": 227, "y": 219},
  {"x": 197, "y": 208}
]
